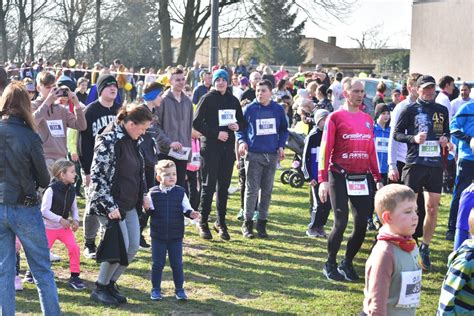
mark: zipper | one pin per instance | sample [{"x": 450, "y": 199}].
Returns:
[{"x": 65, "y": 201}]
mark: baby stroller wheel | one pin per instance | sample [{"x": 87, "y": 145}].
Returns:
[
  {"x": 296, "y": 180},
  {"x": 285, "y": 176}
]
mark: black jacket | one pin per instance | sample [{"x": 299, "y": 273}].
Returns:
[
  {"x": 206, "y": 118},
  {"x": 22, "y": 163}
]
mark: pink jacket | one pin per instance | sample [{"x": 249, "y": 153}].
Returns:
[{"x": 195, "y": 163}]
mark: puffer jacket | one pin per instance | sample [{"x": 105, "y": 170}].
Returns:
[
  {"x": 104, "y": 172},
  {"x": 22, "y": 162}
]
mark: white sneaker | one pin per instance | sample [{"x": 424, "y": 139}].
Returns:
[{"x": 53, "y": 257}]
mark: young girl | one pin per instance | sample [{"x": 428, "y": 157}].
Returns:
[
  {"x": 59, "y": 203},
  {"x": 192, "y": 171}
]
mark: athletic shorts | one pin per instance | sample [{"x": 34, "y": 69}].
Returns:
[{"x": 424, "y": 177}]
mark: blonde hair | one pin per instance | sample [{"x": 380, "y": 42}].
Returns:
[
  {"x": 387, "y": 198},
  {"x": 311, "y": 88},
  {"x": 59, "y": 167},
  {"x": 164, "y": 164}
]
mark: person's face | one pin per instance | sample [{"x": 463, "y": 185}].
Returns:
[
  {"x": 220, "y": 85},
  {"x": 384, "y": 117},
  {"x": 449, "y": 88},
  {"x": 412, "y": 90},
  {"x": 178, "y": 82},
  {"x": 235, "y": 81},
  {"x": 69, "y": 176},
  {"x": 464, "y": 92},
  {"x": 263, "y": 94},
  {"x": 427, "y": 93},
  {"x": 396, "y": 97},
  {"x": 207, "y": 80},
  {"x": 136, "y": 130},
  {"x": 168, "y": 177},
  {"x": 44, "y": 90},
  {"x": 189, "y": 94},
  {"x": 157, "y": 101},
  {"x": 109, "y": 93},
  {"x": 403, "y": 219},
  {"x": 31, "y": 94},
  {"x": 355, "y": 96},
  {"x": 83, "y": 86},
  {"x": 256, "y": 78}
]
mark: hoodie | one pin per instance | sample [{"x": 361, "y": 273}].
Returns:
[{"x": 457, "y": 296}]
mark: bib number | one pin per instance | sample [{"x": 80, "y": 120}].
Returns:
[
  {"x": 357, "y": 185},
  {"x": 182, "y": 154},
  {"x": 410, "y": 289},
  {"x": 381, "y": 144},
  {"x": 56, "y": 128},
  {"x": 196, "y": 160},
  {"x": 429, "y": 149},
  {"x": 266, "y": 126},
  {"x": 226, "y": 117}
]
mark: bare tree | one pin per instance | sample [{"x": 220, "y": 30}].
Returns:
[
  {"x": 369, "y": 41},
  {"x": 4, "y": 10},
  {"x": 165, "y": 32}
]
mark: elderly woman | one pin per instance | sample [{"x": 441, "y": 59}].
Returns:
[
  {"x": 23, "y": 168},
  {"x": 117, "y": 179}
]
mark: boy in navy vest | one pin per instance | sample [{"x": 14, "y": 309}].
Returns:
[{"x": 169, "y": 205}]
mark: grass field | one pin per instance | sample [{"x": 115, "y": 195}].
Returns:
[{"x": 280, "y": 275}]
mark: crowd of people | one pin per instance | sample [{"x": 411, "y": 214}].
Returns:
[{"x": 160, "y": 146}]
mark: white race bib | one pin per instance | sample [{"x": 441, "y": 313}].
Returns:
[
  {"x": 56, "y": 128},
  {"x": 381, "y": 144},
  {"x": 196, "y": 159},
  {"x": 266, "y": 126},
  {"x": 182, "y": 154},
  {"x": 226, "y": 117},
  {"x": 357, "y": 187},
  {"x": 410, "y": 289},
  {"x": 429, "y": 148}
]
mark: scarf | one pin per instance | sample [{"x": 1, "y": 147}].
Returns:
[{"x": 404, "y": 243}]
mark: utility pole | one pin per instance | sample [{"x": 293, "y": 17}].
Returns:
[{"x": 214, "y": 48}]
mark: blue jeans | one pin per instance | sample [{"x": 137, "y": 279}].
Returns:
[
  {"x": 175, "y": 253},
  {"x": 26, "y": 223}
]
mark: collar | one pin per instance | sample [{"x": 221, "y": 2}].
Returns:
[{"x": 166, "y": 189}]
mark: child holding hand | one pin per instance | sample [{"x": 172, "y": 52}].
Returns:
[{"x": 169, "y": 206}]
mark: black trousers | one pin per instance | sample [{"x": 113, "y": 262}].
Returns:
[
  {"x": 193, "y": 188},
  {"x": 217, "y": 163},
  {"x": 318, "y": 211},
  {"x": 463, "y": 180}
]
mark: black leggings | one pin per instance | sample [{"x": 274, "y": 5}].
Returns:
[{"x": 340, "y": 205}]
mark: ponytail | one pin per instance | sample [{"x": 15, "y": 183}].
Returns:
[{"x": 134, "y": 112}]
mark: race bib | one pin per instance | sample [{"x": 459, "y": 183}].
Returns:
[
  {"x": 357, "y": 187},
  {"x": 182, "y": 154},
  {"x": 56, "y": 128},
  {"x": 410, "y": 289},
  {"x": 266, "y": 126},
  {"x": 226, "y": 117},
  {"x": 429, "y": 149},
  {"x": 196, "y": 159},
  {"x": 381, "y": 144}
]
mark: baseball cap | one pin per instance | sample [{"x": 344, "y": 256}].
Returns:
[{"x": 425, "y": 81}]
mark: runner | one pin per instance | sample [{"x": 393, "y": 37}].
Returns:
[
  {"x": 424, "y": 126},
  {"x": 346, "y": 160}
]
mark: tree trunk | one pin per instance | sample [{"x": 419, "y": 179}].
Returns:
[
  {"x": 98, "y": 25},
  {"x": 30, "y": 32},
  {"x": 69, "y": 48},
  {"x": 3, "y": 32},
  {"x": 165, "y": 30},
  {"x": 188, "y": 33}
]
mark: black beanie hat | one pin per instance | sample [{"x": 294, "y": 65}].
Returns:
[
  {"x": 380, "y": 108},
  {"x": 104, "y": 81},
  {"x": 66, "y": 81}
]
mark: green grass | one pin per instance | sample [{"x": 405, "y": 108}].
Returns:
[{"x": 280, "y": 275}]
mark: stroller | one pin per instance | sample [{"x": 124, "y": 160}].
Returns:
[{"x": 294, "y": 176}]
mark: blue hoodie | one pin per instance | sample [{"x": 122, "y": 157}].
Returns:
[
  {"x": 268, "y": 121},
  {"x": 462, "y": 127},
  {"x": 381, "y": 145}
]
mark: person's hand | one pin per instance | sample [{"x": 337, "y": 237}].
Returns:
[
  {"x": 243, "y": 148},
  {"x": 73, "y": 98},
  {"x": 64, "y": 223},
  {"x": 281, "y": 154},
  {"x": 53, "y": 95},
  {"x": 443, "y": 141},
  {"x": 88, "y": 180},
  {"x": 195, "y": 215},
  {"x": 75, "y": 157},
  {"x": 393, "y": 175},
  {"x": 146, "y": 202},
  {"x": 379, "y": 185},
  {"x": 420, "y": 138},
  {"x": 74, "y": 226},
  {"x": 115, "y": 214},
  {"x": 323, "y": 191},
  {"x": 176, "y": 146},
  {"x": 233, "y": 127},
  {"x": 223, "y": 136},
  {"x": 313, "y": 183}
]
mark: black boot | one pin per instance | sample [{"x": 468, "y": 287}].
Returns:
[
  {"x": 247, "y": 229},
  {"x": 113, "y": 290},
  {"x": 262, "y": 228},
  {"x": 222, "y": 231},
  {"x": 102, "y": 295},
  {"x": 204, "y": 231}
]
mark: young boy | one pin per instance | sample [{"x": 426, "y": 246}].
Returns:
[
  {"x": 458, "y": 286},
  {"x": 466, "y": 204},
  {"x": 392, "y": 272},
  {"x": 169, "y": 205},
  {"x": 318, "y": 211}
]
